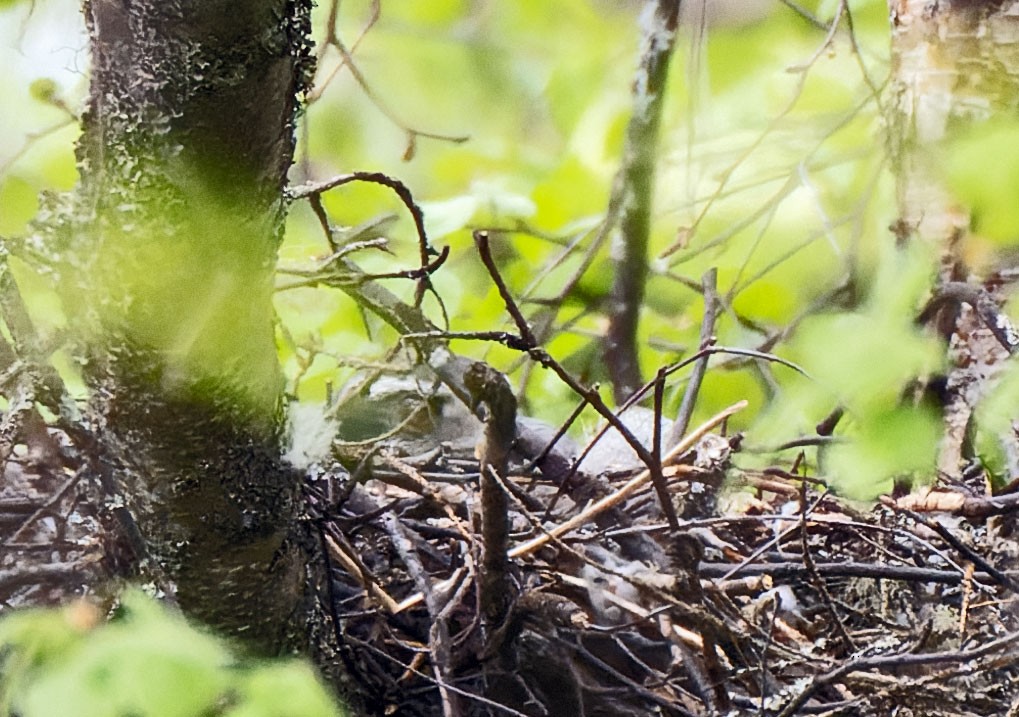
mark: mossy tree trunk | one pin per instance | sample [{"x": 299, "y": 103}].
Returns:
[{"x": 187, "y": 139}]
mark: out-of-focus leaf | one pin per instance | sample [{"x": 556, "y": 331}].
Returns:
[
  {"x": 146, "y": 662},
  {"x": 865, "y": 359},
  {"x": 285, "y": 690},
  {"x": 767, "y": 301},
  {"x": 43, "y": 90},
  {"x": 18, "y": 204},
  {"x": 899, "y": 442},
  {"x": 496, "y": 202},
  {"x": 449, "y": 215},
  {"x": 983, "y": 170}
]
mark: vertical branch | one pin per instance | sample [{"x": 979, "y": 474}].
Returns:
[
  {"x": 489, "y": 387},
  {"x": 635, "y": 186},
  {"x": 710, "y": 290},
  {"x": 925, "y": 87}
]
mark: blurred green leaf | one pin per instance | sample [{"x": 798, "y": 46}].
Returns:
[
  {"x": 288, "y": 689},
  {"x": 43, "y": 90},
  {"x": 146, "y": 662},
  {"x": 983, "y": 170},
  {"x": 447, "y": 216},
  {"x": 18, "y": 204},
  {"x": 885, "y": 445}
]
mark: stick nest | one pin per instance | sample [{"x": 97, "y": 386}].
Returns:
[{"x": 774, "y": 596}]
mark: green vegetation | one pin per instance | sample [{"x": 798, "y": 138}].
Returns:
[
  {"x": 772, "y": 170},
  {"x": 147, "y": 662}
]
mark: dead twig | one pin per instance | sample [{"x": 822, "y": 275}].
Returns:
[
  {"x": 527, "y": 342},
  {"x": 893, "y": 662},
  {"x": 709, "y": 289},
  {"x": 627, "y": 489}
]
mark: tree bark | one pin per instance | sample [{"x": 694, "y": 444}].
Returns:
[
  {"x": 954, "y": 64},
  {"x": 187, "y": 139},
  {"x": 633, "y": 195}
]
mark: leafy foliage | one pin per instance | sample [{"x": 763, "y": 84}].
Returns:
[
  {"x": 772, "y": 170},
  {"x": 145, "y": 662},
  {"x": 511, "y": 117},
  {"x": 983, "y": 169}
]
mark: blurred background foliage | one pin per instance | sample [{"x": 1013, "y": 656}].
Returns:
[{"x": 773, "y": 169}]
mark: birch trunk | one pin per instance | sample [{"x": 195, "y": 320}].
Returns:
[{"x": 954, "y": 65}]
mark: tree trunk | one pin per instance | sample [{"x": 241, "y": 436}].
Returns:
[
  {"x": 186, "y": 144},
  {"x": 632, "y": 197},
  {"x": 954, "y": 64}
]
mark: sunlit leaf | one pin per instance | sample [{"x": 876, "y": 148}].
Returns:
[
  {"x": 148, "y": 662},
  {"x": 18, "y": 204},
  {"x": 983, "y": 169},
  {"x": 448, "y": 216},
  {"x": 285, "y": 690}
]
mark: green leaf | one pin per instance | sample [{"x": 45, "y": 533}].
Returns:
[
  {"x": 899, "y": 442},
  {"x": 144, "y": 663},
  {"x": 449, "y": 215},
  {"x": 19, "y": 203},
  {"x": 983, "y": 171},
  {"x": 43, "y": 90},
  {"x": 289, "y": 689}
]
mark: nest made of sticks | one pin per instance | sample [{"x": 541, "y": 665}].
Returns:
[{"x": 773, "y": 596}]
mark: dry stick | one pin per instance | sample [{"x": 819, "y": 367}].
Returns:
[
  {"x": 401, "y": 190},
  {"x": 815, "y": 577},
  {"x": 490, "y": 387},
  {"x": 636, "y": 186},
  {"x": 657, "y": 477},
  {"x": 350, "y": 565},
  {"x": 671, "y": 705},
  {"x": 790, "y": 571},
  {"x": 628, "y": 488},
  {"x": 777, "y": 540},
  {"x": 982, "y": 303},
  {"x": 45, "y": 508},
  {"x": 481, "y": 241},
  {"x": 538, "y": 460},
  {"x": 407, "y": 668},
  {"x": 971, "y": 555},
  {"x": 438, "y": 634},
  {"x": 709, "y": 285},
  {"x": 605, "y": 503},
  {"x": 530, "y": 345},
  {"x": 895, "y": 661}
]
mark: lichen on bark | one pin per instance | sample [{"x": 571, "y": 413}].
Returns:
[{"x": 167, "y": 274}]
